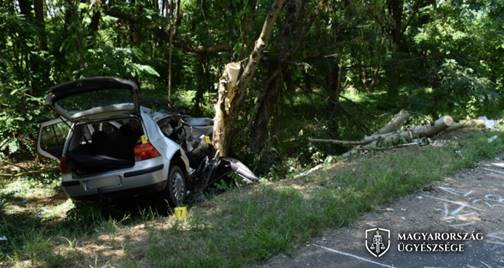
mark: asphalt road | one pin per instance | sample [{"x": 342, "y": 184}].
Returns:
[{"x": 470, "y": 201}]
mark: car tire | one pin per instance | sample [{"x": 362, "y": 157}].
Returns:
[{"x": 176, "y": 187}]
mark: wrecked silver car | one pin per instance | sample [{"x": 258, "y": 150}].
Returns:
[{"x": 109, "y": 146}]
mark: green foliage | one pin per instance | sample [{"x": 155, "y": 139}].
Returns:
[
  {"x": 345, "y": 69},
  {"x": 19, "y": 110},
  {"x": 116, "y": 61},
  {"x": 442, "y": 58},
  {"x": 471, "y": 95},
  {"x": 460, "y": 41}
]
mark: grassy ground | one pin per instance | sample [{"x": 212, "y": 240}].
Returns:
[{"x": 237, "y": 228}]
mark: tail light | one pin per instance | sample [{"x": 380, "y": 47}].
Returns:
[
  {"x": 145, "y": 151},
  {"x": 64, "y": 165}
]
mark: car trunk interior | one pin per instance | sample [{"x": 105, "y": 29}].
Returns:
[{"x": 103, "y": 146}]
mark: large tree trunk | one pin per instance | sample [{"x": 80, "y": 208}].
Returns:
[
  {"x": 94, "y": 26},
  {"x": 95, "y": 22},
  {"x": 25, "y": 9},
  {"x": 393, "y": 138},
  {"x": 232, "y": 95},
  {"x": 203, "y": 81},
  {"x": 265, "y": 107},
  {"x": 395, "y": 123},
  {"x": 173, "y": 18},
  {"x": 38, "y": 63},
  {"x": 290, "y": 38},
  {"x": 334, "y": 83},
  {"x": 39, "y": 20},
  {"x": 60, "y": 55},
  {"x": 395, "y": 11}
]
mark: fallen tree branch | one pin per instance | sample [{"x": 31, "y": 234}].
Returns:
[
  {"x": 387, "y": 148},
  {"x": 476, "y": 123},
  {"x": 429, "y": 131},
  {"x": 398, "y": 137},
  {"x": 395, "y": 123},
  {"x": 342, "y": 142}
]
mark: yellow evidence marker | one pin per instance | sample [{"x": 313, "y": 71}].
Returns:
[
  {"x": 206, "y": 139},
  {"x": 181, "y": 213}
]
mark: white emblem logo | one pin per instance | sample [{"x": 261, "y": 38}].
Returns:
[{"x": 377, "y": 241}]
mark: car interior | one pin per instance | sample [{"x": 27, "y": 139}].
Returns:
[{"x": 103, "y": 146}]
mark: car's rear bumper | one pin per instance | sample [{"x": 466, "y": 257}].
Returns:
[
  {"x": 129, "y": 194},
  {"x": 149, "y": 176}
]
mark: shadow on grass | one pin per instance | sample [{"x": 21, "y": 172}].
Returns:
[
  {"x": 35, "y": 223},
  {"x": 33, "y": 227}
]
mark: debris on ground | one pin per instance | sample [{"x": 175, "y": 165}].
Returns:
[
  {"x": 393, "y": 135},
  {"x": 492, "y": 139},
  {"x": 305, "y": 173},
  {"x": 441, "y": 142},
  {"x": 489, "y": 123}
]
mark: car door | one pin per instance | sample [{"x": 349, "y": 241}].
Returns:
[
  {"x": 52, "y": 137},
  {"x": 94, "y": 99}
]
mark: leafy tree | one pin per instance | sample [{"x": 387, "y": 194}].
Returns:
[{"x": 430, "y": 57}]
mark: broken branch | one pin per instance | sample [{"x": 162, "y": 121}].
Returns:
[{"x": 395, "y": 123}]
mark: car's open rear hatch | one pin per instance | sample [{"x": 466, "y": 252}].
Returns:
[
  {"x": 95, "y": 98},
  {"x": 103, "y": 146}
]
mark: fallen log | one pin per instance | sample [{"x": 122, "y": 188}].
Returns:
[
  {"x": 472, "y": 123},
  {"x": 429, "y": 131},
  {"x": 395, "y": 123},
  {"x": 398, "y": 137},
  {"x": 415, "y": 132}
]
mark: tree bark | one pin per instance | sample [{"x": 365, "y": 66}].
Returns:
[
  {"x": 70, "y": 14},
  {"x": 393, "y": 138},
  {"x": 259, "y": 47},
  {"x": 395, "y": 123},
  {"x": 232, "y": 95},
  {"x": 95, "y": 22},
  {"x": 334, "y": 83},
  {"x": 203, "y": 81},
  {"x": 473, "y": 123},
  {"x": 174, "y": 18},
  {"x": 226, "y": 94},
  {"x": 25, "y": 9},
  {"x": 429, "y": 131},
  {"x": 40, "y": 71},
  {"x": 395, "y": 11},
  {"x": 265, "y": 108},
  {"x": 395, "y": 8},
  {"x": 39, "y": 21},
  {"x": 290, "y": 39}
]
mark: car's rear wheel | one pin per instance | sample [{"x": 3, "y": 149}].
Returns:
[{"x": 176, "y": 189}]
